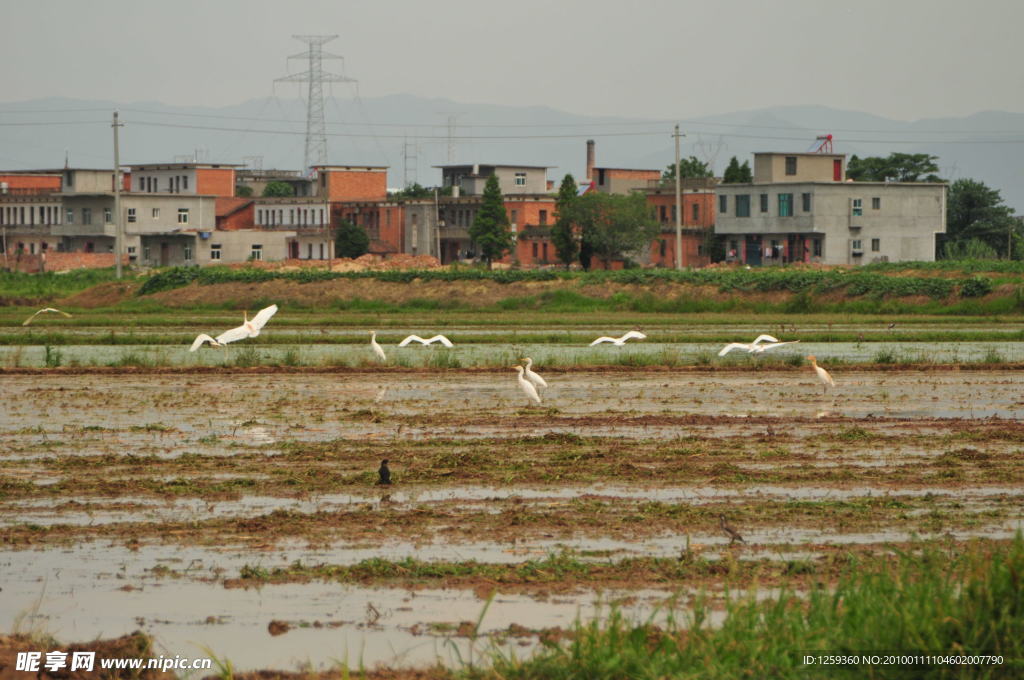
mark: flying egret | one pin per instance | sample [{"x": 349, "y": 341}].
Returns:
[
  {"x": 437, "y": 338},
  {"x": 377, "y": 349},
  {"x": 41, "y": 311},
  {"x": 620, "y": 341},
  {"x": 763, "y": 343},
  {"x": 248, "y": 329},
  {"x": 527, "y": 387},
  {"x": 732, "y": 533},
  {"x": 823, "y": 375},
  {"x": 537, "y": 381}
]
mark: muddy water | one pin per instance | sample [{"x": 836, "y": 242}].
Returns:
[{"x": 176, "y": 593}]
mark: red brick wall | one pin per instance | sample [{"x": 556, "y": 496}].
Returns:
[
  {"x": 705, "y": 203},
  {"x": 230, "y": 218},
  {"x": 215, "y": 181},
  {"x": 356, "y": 185},
  {"x": 392, "y": 233},
  {"x": 58, "y": 262},
  {"x": 46, "y": 182},
  {"x": 616, "y": 173},
  {"x": 692, "y": 255}
]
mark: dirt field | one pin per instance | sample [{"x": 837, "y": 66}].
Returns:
[{"x": 233, "y": 508}]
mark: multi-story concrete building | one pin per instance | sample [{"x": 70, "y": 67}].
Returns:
[
  {"x": 800, "y": 209},
  {"x": 697, "y": 219},
  {"x": 469, "y": 180}
]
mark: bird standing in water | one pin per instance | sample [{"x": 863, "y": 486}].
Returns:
[
  {"x": 823, "y": 375},
  {"x": 384, "y": 472},
  {"x": 732, "y": 533}
]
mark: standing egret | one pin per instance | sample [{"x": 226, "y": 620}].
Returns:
[
  {"x": 537, "y": 381},
  {"x": 823, "y": 375},
  {"x": 42, "y": 311},
  {"x": 377, "y": 349},
  {"x": 732, "y": 533},
  {"x": 437, "y": 338},
  {"x": 248, "y": 329},
  {"x": 763, "y": 343},
  {"x": 620, "y": 341},
  {"x": 527, "y": 387}
]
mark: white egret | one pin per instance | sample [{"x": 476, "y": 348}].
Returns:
[
  {"x": 437, "y": 338},
  {"x": 537, "y": 381},
  {"x": 620, "y": 341},
  {"x": 763, "y": 343},
  {"x": 823, "y": 375},
  {"x": 42, "y": 311},
  {"x": 377, "y": 349},
  {"x": 248, "y": 329},
  {"x": 527, "y": 387}
]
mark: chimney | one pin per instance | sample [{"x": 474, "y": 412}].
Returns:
[{"x": 590, "y": 160}]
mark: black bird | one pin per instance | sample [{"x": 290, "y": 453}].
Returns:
[
  {"x": 384, "y": 472},
  {"x": 733, "y": 534}
]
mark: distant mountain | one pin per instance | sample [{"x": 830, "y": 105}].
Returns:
[{"x": 411, "y": 135}]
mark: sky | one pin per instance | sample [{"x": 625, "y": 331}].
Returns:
[{"x": 661, "y": 59}]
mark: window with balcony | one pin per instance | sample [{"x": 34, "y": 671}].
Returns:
[
  {"x": 108, "y": 216},
  {"x": 70, "y": 217},
  {"x": 86, "y": 215}
]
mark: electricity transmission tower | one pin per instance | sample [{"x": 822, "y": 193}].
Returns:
[{"x": 316, "y": 129}]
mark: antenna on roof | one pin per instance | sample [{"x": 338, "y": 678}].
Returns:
[{"x": 822, "y": 144}]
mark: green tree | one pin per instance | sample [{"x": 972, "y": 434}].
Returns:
[
  {"x": 490, "y": 228},
  {"x": 896, "y": 167},
  {"x": 562, "y": 235},
  {"x": 351, "y": 240},
  {"x": 614, "y": 226},
  {"x": 414, "y": 190},
  {"x": 278, "y": 190},
  {"x": 976, "y": 212},
  {"x": 243, "y": 191},
  {"x": 688, "y": 167},
  {"x": 737, "y": 174}
]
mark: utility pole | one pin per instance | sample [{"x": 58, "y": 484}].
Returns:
[
  {"x": 118, "y": 222},
  {"x": 437, "y": 225},
  {"x": 316, "y": 132},
  {"x": 679, "y": 209}
]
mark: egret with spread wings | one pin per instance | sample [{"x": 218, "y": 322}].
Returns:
[
  {"x": 620, "y": 341},
  {"x": 762, "y": 344},
  {"x": 248, "y": 329},
  {"x": 437, "y": 338},
  {"x": 42, "y": 311}
]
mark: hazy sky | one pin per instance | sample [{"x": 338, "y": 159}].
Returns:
[{"x": 904, "y": 59}]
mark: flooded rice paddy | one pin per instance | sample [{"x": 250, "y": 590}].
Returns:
[{"x": 219, "y": 511}]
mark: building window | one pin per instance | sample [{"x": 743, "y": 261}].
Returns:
[
  {"x": 131, "y": 250},
  {"x": 182, "y": 215},
  {"x": 696, "y": 213},
  {"x": 86, "y": 215},
  {"x": 108, "y": 216},
  {"x": 543, "y": 216},
  {"x": 805, "y": 200},
  {"x": 858, "y": 208},
  {"x": 790, "y": 165},
  {"x": 131, "y": 214},
  {"x": 876, "y": 245},
  {"x": 515, "y": 214},
  {"x": 663, "y": 213},
  {"x": 70, "y": 216},
  {"x": 257, "y": 252},
  {"x": 520, "y": 179},
  {"x": 535, "y": 250},
  {"x": 188, "y": 253},
  {"x": 184, "y": 183},
  {"x": 876, "y": 203},
  {"x": 764, "y": 203},
  {"x": 855, "y": 246},
  {"x": 785, "y": 205},
  {"x": 145, "y": 253},
  {"x": 816, "y": 247},
  {"x": 156, "y": 213},
  {"x": 743, "y": 205},
  {"x": 662, "y": 247},
  {"x": 723, "y": 204},
  {"x": 214, "y": 251}
]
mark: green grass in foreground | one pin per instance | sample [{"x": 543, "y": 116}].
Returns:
[{"x": 940, "y": 601}]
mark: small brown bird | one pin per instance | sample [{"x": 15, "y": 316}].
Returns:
[
  {"x": 732, "y": 533},
  {"x": 384, "y": 472}
]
